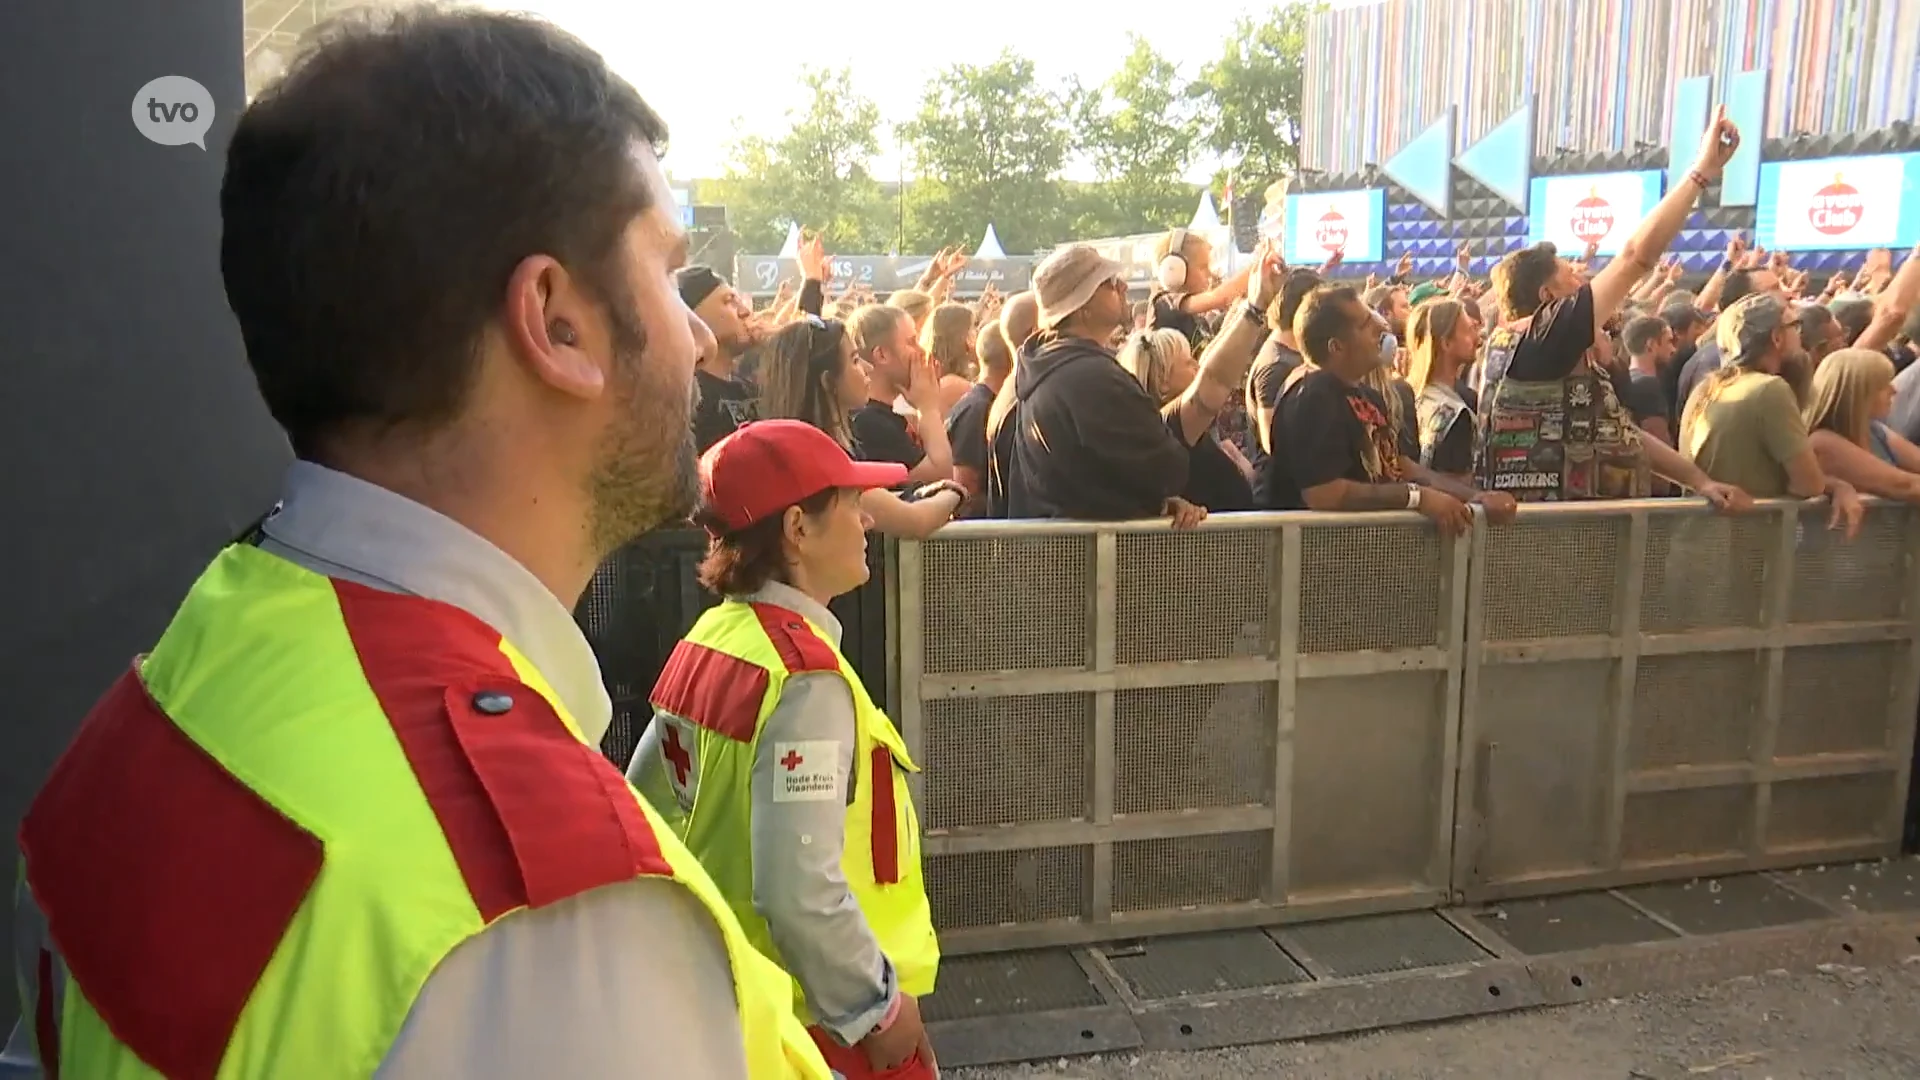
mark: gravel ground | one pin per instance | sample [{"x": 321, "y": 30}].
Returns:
[{"x": 1836, "y": 1024}]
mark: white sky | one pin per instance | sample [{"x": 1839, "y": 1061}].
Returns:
[{"x": 749, "y": 71}]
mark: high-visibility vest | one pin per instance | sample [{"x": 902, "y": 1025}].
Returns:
[
  {"x": 719, "y": 686},
  {"x": 267, "y": 835}
]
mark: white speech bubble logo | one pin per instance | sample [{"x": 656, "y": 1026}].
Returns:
[{"x": 173, "y": 110}]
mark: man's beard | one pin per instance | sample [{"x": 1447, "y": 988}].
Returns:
[{"x": 647, "y": 469}]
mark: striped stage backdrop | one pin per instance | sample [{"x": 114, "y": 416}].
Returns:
[{"x": 1604, "y": 70}]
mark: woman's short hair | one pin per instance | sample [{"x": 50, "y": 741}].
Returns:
[{"x": 740, "y": 563}]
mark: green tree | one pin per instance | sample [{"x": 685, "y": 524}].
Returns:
[
  {"x": 817, "y": 174},
  {"x": 1251, "y": 94},
  {"x": 1141, "y": 134},
  {"x": 987, "y": 146}
]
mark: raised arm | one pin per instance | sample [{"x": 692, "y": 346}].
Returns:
[{"x": 1656, "y": 232}]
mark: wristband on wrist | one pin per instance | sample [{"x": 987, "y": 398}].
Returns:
[
  {"x": 1699, "y": 178},
  {"x": 1256, "y": 312},
  {"x": 1413, "y": 496}
]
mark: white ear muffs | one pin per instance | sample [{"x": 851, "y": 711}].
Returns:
[{"x": 1172, "y": 273}]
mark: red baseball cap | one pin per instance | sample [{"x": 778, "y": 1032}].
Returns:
[{"x": 769, "y": 465}]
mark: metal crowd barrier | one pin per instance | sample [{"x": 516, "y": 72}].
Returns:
[{"x": 1280, "y": 717}]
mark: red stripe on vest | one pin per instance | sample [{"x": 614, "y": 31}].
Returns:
[
  {"x": 799, "y": 647},
  {"x": 886, "y": 828},
  {"x": 532, "y": 815},
  {"x": 46, "y": 1030},
  {"x": 711, "y": 689},
  {"x": 166, "y": 883}
]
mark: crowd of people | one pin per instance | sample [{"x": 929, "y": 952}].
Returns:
[{"x": 1286, "y": 388}]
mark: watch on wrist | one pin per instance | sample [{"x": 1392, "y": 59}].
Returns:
[{"x": 1256, "y": 312}]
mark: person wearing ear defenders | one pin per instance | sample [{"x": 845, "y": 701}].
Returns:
[{"x": 1183, "y": 287}]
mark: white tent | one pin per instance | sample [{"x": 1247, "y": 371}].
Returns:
[
  {"x": 1205, "y": 218},
  {"x": 990, "y": 246},
  {"x": 791, "y": 249}
]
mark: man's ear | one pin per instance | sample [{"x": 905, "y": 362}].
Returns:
[{"x": 552, "y": 328}]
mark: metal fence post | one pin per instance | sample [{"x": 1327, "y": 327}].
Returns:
[
  {"x": 1626, "y": 624},
  {"x": 1284, "y": 625},
  {"x": 1776, "y": 614},
  {"x": 1103, "y": 643}
]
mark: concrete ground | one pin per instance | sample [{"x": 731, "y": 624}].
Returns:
[{"x": 1835, "y": 1024}]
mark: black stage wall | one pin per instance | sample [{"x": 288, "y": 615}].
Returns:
[{"x": 132, "y": 439}]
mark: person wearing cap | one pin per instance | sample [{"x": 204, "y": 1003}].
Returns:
[
  {"x": 726, "y": 399},
  {"x": 770, "y": 760},
  {"x": 1089, "y": 442},
  {"x": 1744, "y": 425}
]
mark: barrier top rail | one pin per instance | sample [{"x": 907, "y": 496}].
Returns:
[{"x": 982, "y": 528}]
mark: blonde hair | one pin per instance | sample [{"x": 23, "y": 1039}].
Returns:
[
  {"x": 1149, "y": 356},
  {"x": 872, "y": 325},
  {"x": 1382, "y": 380},
  {"x": 1432, "y": 322},
  {"x": 1844, "y": 386},
  {"x": 990, "y": 348},
  {"x": 945, "y": 338},
  {"x": 915, "y": 303}
]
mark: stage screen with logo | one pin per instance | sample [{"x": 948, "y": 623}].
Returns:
[
  {"x": 1320, "y": 223},
  {"x": 1839, "y": 204},
  {"x": 1574, "y": 211}
]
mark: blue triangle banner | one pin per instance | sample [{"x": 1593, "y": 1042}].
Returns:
[
  {"x": 1424, "y": 165},
  {"x": 1503, "y": 158}
]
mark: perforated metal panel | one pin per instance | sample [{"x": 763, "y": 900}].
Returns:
[
  {"x": 1835, "y": 580},
  {"x": 1833, "y": 811},
  {"x": 1007, "y": 761},
  {"x": 995, "y": 888},
  {"x": 1185, "y": 747},
  {"x": 1551, "y": 577},
  {"x": 1006, "y": 603},
  {"x": 1194, "y": 596},
  {"x": 1838, "y": 699},
  {"x": 1687, "y": 824},
  {"x": 1157, "y": 875},
  {"x": 1695, "y": 709},
  {"x": 1369, "y": 587},
  {"x": 1704, "y": 571}
]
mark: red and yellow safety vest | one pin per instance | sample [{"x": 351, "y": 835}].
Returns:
[
  {"x": 722, "y": 682},
  {"x": 268, "y": 834}
]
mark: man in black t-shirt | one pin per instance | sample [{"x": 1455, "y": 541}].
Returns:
[
  {"x": 1334, "y": 448},
  {"x": 1277, "y": 359},
  {"x": 726, "y": 400},
  {"x": 1650, "y": 348},
  {"x": 898, "y": 368}
]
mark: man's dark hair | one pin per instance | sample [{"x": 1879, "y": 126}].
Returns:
[
  {"x": 1684, "y": 319},
  {"x": 378, "y": 197},
  {"x": 1322, "y": 317},
  {"x": 1739, "y": 284},
  {"x": 743, "y": 562},
  {"x": 1642, "y": 333},
  {"x": 1293, "y": 290},
  {"x": 1518, "y": 278}
]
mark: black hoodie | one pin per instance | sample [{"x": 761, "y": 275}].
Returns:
[{"x": 1086, "y": 442}]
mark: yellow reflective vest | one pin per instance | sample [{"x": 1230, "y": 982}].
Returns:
[
  {"x": 271, "y": 830},
  {"x": 723, "y": 681}
]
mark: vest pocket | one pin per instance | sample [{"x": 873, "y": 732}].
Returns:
[{"x": 886, "y": 818}]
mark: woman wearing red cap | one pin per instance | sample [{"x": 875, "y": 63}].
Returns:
[{"x": 776, "y": 767}]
